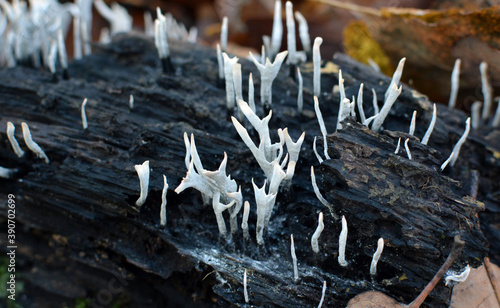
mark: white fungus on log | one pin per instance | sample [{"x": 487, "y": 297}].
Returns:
[
  {"x": 32, "y": 145},
  {"x": 342, "y": 243},
  {"x": 12, "y": 139},
  {"x": 376, "y": 256},
  {"x": 143, "y": 173},
  {"x": 317, "y": 233}
]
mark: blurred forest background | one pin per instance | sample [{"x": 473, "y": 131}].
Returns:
[{"x": 430, "y": 34}]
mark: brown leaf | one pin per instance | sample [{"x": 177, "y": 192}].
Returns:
[
  {"x": 373, "y": 299},
  {"x": 477, "y": 291}
]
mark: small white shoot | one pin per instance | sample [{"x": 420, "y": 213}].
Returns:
[
  {"x": 428, "y": 133},
  {"x": 32, "y": 145},
  {"x": 143, "y": 173},
  {"x": 317, "y": 233},
  {"x": 342, "y": 243},
  {"x": 12, "y": 139},
  {"x": 376, "y": 257},
  {"x": 163, "y": 208}
]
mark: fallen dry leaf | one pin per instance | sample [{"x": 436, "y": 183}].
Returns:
[
  {"x": 373, "y": 299},
  {"x": 477, "y": 291}
]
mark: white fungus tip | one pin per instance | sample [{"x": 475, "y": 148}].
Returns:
[{"x": 143, "y": 173}]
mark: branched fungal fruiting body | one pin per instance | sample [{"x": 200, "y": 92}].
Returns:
[
  {"x": 456, "y": 148},
  {"x": 294, "y": 259},
  {"x": 396, "y": 77},
  {"x": 143, "y": 173},
  {"x": 428, "y": 133},
  {"x": 264, "y": 203},
  {"x": 163, "y": 208},
  {"x": 84, "y": 114},
  {"x": 342, "y": 243},
  {"x": 391, "y": 99},
  {"x": 317, "y": 233},
  {"x": 32, "y": 145},
  {"x": 412, "y": 123},
  {"x": 12, "y": 139},
  {"x": 376, "y": 256},
  {"x": 218, "y": 209},
  {"x": 317, "y": 66},
  {"x": 268, "y": 73},
  {"x": 228, "y": 74},
  {"x": 455, "y": 80}
]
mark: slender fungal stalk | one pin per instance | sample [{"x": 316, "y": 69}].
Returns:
[
  {"x": 342, "y": 243},
  {"x": 317, "y": 233},
  {"x": 143, "y": 173},
  {"x": 376, "y": 257},
  {"x": 32, "y": 145},
  {"x": 412, "y": 123},
  {"x": 455, "y": 80},
  {"x": 428, "y": 133},
  {"x": 163, "y": 207},
  {"x": 12, "y": 139},
  {"x": 317, "y": 66},
  {"x": 294, "y": 259}
]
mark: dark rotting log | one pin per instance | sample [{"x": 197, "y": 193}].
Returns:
[{"x": 79, "y": 232}]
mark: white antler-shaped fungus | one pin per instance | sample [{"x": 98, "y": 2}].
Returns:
[
  {"x": 398, "y": 146},
  {"x": 163, "y": 207},
  {"x": 32, "y": 145},
  {"x": 12, "y": 139},
  {"x": 294, "y": 259},
  {"x": 407, "y": 148},
  {"x": 344, "y": 111},
  {"x": 233, "y": 211},
  {"x": 391, "y": 99},
  {"x": 218, "y": 209},
  {"x": 251, "y": 93},
  {"x": 6, "y": 173},
  {"x": 455, "y": 80},
  {"x": 303, "y": 32},
  {"x": 428, "y": 133},
  {"x": 412, "y": 123},
  {"x": 223, "y": 34},
  {"x": 475, "y": 114},
  {"x": 84, "y": 114},
  {"x": 317, "y": 66},
  {"x": 264, "y": 202},
  {"x": 456, "y": 148},
  {"x": 244, "y": 222},
  {"x": 396, "y": 77},
  {"x": 376, "y": 110},
  {"x": 317, "y": 233},
  {"x": 487, "y": 91},
  {"x": 300, "y": 92},
  {"x": 360, "y": 104},
  {"x": 451, "y": 276},
  {"x": 342, "y": 243},
  {"x": 323, "y": 293},
  {"x": 268, "y": 73},
  {"x": 376, "y": 256},
  {"x": 245, "y": 291},
  {"x": 228, "y": 74},
  {"x": 143, "y": 173},
  {"x": 277, "y": 32},
  {"x": 118, "y": 17}
]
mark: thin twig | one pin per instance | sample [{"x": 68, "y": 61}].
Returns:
[{"x": 456, "y": 250}]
